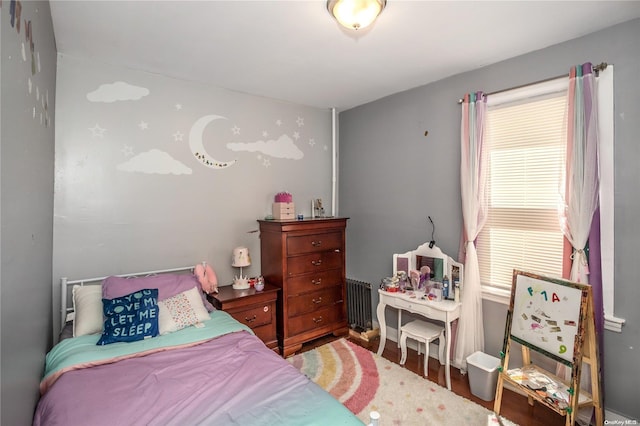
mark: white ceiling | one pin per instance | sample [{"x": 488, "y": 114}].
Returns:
[{"x": 295, "y": 51}]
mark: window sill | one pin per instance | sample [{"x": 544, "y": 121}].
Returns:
[
  {"x": 498, "y": 295},
  {"x": 612, "y": 323},
  {"x": 503, "y": 296}
]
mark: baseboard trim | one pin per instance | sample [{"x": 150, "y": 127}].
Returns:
[{"x": 611, "y": 418}]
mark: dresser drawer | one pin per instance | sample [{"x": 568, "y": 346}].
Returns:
[
  {"x": 314, "y": 281},
  {"x": 325, "y": 317},
  {"x": 315, "y": 262},
  {"x": 314, "y": 243},
  {"x": 311, "y": 301},
  {"x": 267, "y": 333},
  {"x": 256, "y": 316}
]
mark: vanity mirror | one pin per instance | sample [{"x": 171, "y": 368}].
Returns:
[{"x": 440, "y": 265}]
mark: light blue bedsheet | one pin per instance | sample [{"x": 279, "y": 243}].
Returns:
[
  {"x": 231, "y": 378},
  {"x": 83, "y": 349}
]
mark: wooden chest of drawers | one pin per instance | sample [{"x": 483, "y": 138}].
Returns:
[
  {"x": 255, "y": 309},
  {"x": 306, "y": 259}
]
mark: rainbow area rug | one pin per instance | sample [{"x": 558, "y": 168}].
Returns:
[{"x": 365, "y": 382}]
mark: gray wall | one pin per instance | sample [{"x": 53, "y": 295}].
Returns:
[
  {"x": 130, "y": 193},
  {"x": 27, "y": 133},
  {"x": 392, "y": 177}
]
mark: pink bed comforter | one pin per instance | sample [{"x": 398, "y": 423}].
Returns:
[{"x": 230, "y": 380}]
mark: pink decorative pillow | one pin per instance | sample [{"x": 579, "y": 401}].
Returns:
[{"x": 168, "y": 285}]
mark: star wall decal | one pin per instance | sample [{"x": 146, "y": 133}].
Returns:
[
  {"x": 143, "y": 125},
  {"x": 177, "y": 136},
  {"x": 312, "y": 142},
  {"x": 296, "y": 135},
  {"x": 300, "y": 121},
  {"x": 97, "y": 131},
  {"x": 235, "y": 130},
  {"x": 178, "y": 107}
]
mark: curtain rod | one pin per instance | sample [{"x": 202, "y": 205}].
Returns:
[{"x": 596, "y": 68}]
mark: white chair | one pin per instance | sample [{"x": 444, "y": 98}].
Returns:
[{"x": 422, "y": 332}]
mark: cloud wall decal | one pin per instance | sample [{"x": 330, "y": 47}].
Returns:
[
  {"x": 117, "y": 91},
  {"x": 283, "y": 147},
  {"x": 154, "y": 162}
]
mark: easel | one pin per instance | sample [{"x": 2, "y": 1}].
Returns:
[{"x": 574, "y": 311}]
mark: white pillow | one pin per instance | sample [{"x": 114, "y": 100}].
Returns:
[
  {"x": 182, "y": 310},
  {"x": 87, "y": 305}
]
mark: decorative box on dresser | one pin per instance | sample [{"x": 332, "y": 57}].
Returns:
[
  {"x": 255, "y": 309},
  {"x": 306, "y": 259}
]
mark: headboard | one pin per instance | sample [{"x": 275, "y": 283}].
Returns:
[
  {"x": 66, "y": 285},
  {"x": 440, "y": 263}
]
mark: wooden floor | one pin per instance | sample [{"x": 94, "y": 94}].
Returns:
[{"x": 514, "y": 406}]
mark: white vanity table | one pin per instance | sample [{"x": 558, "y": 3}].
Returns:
[{"x": 445, "y": 311}]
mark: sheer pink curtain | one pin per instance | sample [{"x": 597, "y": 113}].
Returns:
[
  {"x": 470, "y": 331},
  {"x": 582, "y": 178},
  {"x": 579, "y": 217}
]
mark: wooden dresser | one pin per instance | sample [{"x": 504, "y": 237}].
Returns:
[
  {"x": 306, "y": 259},
  {"x": 255, "y": 309}
]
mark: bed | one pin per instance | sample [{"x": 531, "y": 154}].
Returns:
[{"x": 213, "y": 370}]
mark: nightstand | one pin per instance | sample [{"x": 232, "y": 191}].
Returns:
[{"x": 255, "y": 309}]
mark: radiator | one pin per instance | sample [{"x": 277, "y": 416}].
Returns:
[{"x": 359, "y": 304}]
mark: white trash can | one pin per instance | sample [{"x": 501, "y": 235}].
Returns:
[{"x": 483, "y": 375}]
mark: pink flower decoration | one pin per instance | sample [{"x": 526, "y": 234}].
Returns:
[{"x": 283, "y": 197}]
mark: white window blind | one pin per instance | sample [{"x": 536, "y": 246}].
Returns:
[{"x": 524, "y": 141}]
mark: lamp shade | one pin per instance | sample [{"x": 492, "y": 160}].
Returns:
[
  {"x": 355, "y": 14},
  {"x": 240, "y": 257}
]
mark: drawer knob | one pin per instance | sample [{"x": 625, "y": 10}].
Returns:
[
  {"x": 316, "y": 243},
  {"x": 318, "y": 300},
  {"x": 252, "y": 319},
  {"x": 317, "y": 320},
  {"x": 316, "y": 282},
  {"x": 316, "y": 262}
]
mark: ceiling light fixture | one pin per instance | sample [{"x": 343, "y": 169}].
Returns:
[{"x": 355, "y": 14}]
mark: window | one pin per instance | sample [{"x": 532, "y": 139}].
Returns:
[{"x": 525, "y": 147}]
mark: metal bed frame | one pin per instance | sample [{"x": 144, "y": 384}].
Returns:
[{"x": 65, "y": 284}]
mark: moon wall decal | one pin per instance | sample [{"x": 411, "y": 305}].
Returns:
[{"x": 197, "y": 146}]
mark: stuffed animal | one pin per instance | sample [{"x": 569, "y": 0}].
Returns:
[
  {"x": 425, "y": 276},
  {"x": 207, "y": 277}
]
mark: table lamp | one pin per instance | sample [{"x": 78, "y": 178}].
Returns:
[{"x": 240, "y": 259}]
